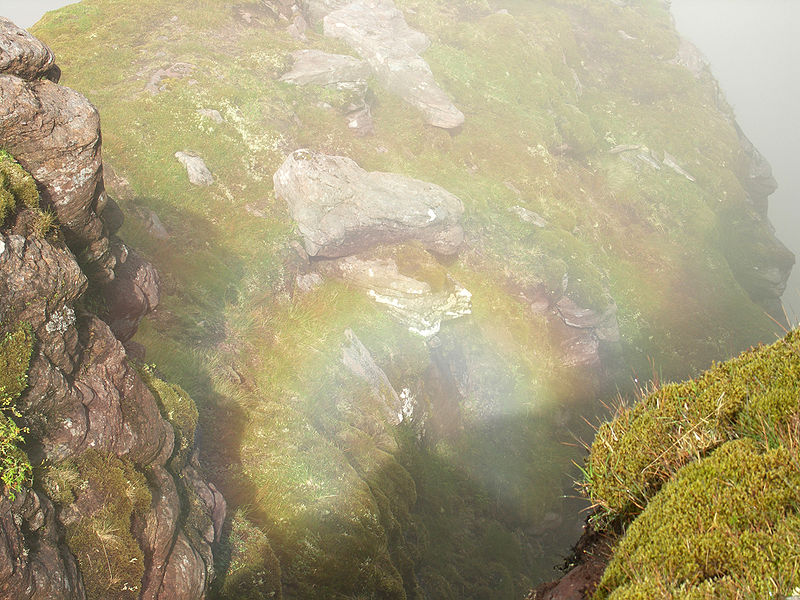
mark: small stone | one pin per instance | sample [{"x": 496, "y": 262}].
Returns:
[
  {"x": 195, "y": 168},
  {"x": 211, "y": 113}
]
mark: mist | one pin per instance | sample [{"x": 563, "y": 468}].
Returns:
[
  {"x": 753, "y": 48},
  {"x": 26, "y": 13},
  {"x": 384, "y": 305}
]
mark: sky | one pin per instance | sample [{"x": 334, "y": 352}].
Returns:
[
  {"x": 753, "y": 47},
  {"x": 26, "y": 12}
]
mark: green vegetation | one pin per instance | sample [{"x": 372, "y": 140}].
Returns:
[
  {"x": 646, "y": 445},
  {"x": 179, "y": 410},
  {"x": 351, "y": 506},
  {"x": 16, "y": 348},
  {"x": 109, "y": 495},
  {"x": 708, "y": 471},
  {"x": 18, "y": 192},
  {"x": 253, "y": 571}
]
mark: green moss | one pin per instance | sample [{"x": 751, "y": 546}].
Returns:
[
  {"x": 179, "y": 410},
  {"x": 111, "y": 494},
  {"x": 253, "y": 571},
  {"x": 17, "y": 187},
  {"x": 644, "y": 446},
  {"x": 16, "y": 348},
  {"x": 726, "y": 527},
  {"x": 18, "y": 192}
]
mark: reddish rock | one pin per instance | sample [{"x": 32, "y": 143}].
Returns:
[
  {"x": 54, "y": 133},
  {"x": 24, "y": 56}
]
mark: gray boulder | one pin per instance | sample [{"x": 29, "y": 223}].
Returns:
[
  {"x": 196, "y": 168},
  {"x": 341, "y": 209},
  {"x": 378, "y": 32},
  {"x": 339, "y": 71}
]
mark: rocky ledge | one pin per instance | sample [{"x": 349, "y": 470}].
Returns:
[{"x": 116, "y": 506}]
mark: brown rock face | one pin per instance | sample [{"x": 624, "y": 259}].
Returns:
[
  {"x": 54, "y": 133},
  {"x": 134, "y": 292},
  {"x": 23, "y": 55},
  {"x": 33, "y": 566},
  {"x": 83, "y": 393}
]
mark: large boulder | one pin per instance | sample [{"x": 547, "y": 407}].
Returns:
[
  {"x": 54, "y": 133},
  {"x": 23, "y": 55},
  {"x": 378, "y": 32},
  {"x": 342, "y": 209}
]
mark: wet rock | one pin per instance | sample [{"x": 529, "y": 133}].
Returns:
[
  {"x": 378, "y": 32},
  {"x": 588, "y": 334},
  {"x": 158, "y": 530},
  {"x": 54, "y": 133},
  {"x": 196, "y": 168},
  {"x": 339, "y": 71},
  {"x": 24, "y": 56},
  {"x": 342, "y": 209},
  {"x": 211, "y": 114},
  {"x": 412, "y": 301},
  {"x": 604, "y": 324},
  {"x": 184, "y": 576},
  {"x": 357, "y": 359}
]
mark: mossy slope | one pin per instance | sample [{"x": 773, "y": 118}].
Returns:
[{"x": 708, "y": 471}]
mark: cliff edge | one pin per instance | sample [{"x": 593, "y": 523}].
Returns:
[{"x": 103, "y": 496}]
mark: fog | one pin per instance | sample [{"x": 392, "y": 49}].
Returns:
[
  {"x": 275, "y": 340},
  {"x": 753, "y": 48},
  {"x": 26, "y": 12}
]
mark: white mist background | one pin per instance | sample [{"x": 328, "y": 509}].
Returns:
[
  {"x": 754, "y": 50},
  {"x": 26, "y": 12}
]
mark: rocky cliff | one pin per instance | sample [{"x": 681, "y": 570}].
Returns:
[
  {"x": 403, "y": 248},
  {"x": 107, "y": 501}
]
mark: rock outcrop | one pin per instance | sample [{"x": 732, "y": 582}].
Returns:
[
  {"x": 33, "y": 564},
  {"x": 415, "y": 302},
  {"x": 55, "y": 133},
  {"x": 341, "y": 209},
  {"x": 314, "y": 67},
  {"x": 88, "y": 410},
  {"x": 23, "y": 56},
  {"x": 339, "y": 72},
  {"x": 378, "y": 32}
]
